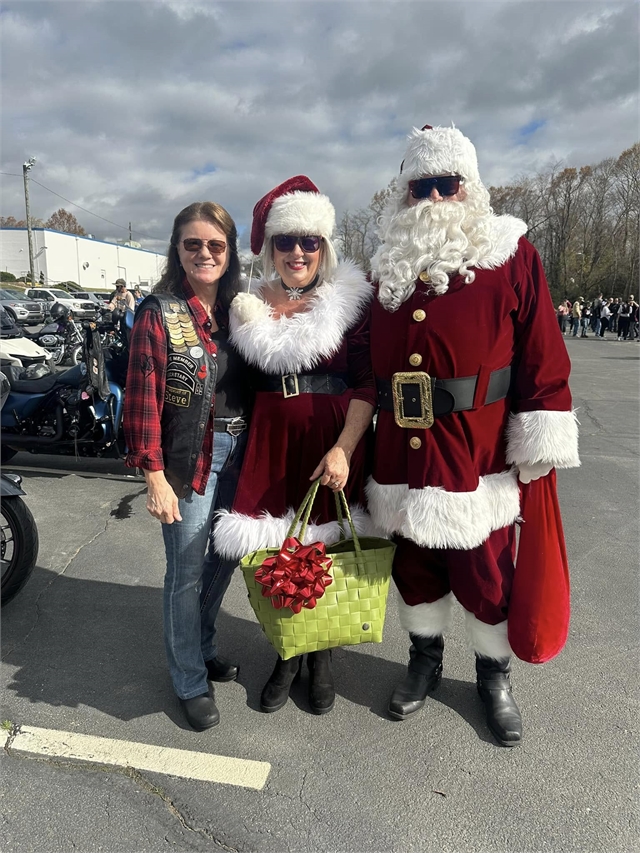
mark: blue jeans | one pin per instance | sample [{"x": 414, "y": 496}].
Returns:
[{"x": 195, "y": 584}]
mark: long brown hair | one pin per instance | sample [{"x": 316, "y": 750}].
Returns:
[{"x": 173, "y": 275}]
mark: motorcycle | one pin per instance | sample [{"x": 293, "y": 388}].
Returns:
[
  {"x": 15, "y": 348},
  {"x": 18, "y": 531},
  {"x": 77, "y": 412},
  {"x": 62, "y": 337}
]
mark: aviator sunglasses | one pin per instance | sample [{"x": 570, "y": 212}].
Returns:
[
  {"x": 286, "y": 243},
  {"x": 446, "y": 185},
  {"x": 195, "y": 244}
]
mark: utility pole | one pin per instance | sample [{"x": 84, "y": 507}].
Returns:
[
  {"x": 25, "y": 174},
  {"x": 130, "y": 237}
]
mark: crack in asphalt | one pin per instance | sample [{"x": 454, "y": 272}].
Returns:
[
  {"x": 589, "y": 413},
  {"x": 130, "y": 773}
]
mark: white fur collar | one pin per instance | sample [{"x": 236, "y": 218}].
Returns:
[
  {"x": 299, "y": 342},
  {"x": 504, "y": 233}
]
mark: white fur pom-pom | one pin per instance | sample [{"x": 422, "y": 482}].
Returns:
[{"x": 246, "y": 308}]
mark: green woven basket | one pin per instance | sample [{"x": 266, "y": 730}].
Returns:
[{"x": 352, "y": 609}]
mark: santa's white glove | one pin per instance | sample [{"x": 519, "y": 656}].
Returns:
[{"x": 527, "y": 473}]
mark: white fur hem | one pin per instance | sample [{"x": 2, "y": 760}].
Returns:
[
  {"x": 490, "y": 641},
  {"x": 301, "y": 212},
  {"x": 435, "y": 518},
  {"x": 236, "y": 535},
  {"x": 505, "y": 232},
  {"x": 430, "y": 619},
  {"x": 300, "y": 341},
  {"x": 543, "y": 436}
]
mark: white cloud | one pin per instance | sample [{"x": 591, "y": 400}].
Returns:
[{"x": 136, "y": 109}]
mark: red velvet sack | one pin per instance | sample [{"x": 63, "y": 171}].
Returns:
[{"x": 539, "y": 607}]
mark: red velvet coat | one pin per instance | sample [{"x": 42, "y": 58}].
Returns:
[{"x": 458, "y": 486}]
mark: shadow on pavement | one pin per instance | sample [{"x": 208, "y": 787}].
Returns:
[{"x": 100, "y": 644}]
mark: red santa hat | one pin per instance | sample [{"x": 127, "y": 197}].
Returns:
[
  {"x": 438, "y": 151},
  {"x": 293, "y": 207}
]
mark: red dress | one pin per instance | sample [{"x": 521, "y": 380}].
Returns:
[{"x": 289, "y": 436}]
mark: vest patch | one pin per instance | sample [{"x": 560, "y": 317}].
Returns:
[{"x": 177, "y": 397}]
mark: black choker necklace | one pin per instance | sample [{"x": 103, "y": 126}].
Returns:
[{"x": 295, "y": 293}]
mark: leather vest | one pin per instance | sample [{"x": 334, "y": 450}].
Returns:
[{"x": 190, "y": 385}]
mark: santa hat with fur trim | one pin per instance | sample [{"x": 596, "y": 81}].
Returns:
[
  {"x": 293, "y": 207},
  {"x": 438, "y": 151}
]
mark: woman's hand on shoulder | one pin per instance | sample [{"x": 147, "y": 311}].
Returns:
[
  {"x": 333, "y": 469},
  {"x": 162, "y": 501}
]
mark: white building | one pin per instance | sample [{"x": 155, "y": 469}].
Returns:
[{"x": 93, "y": 264}]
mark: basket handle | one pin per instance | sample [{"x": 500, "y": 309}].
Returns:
[{"x": 342, "y": 510}]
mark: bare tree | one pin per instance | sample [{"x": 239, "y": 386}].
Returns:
[{"x": 62, "y": 220}]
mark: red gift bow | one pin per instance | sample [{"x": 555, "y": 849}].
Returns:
[{"x": 297, "y": 576}]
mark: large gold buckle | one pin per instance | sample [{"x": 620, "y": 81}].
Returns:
[
  {"x": 296, "y": 387},
  {"x": 423, "y": 381}
]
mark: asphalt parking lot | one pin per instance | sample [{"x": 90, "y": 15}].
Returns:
[{"x": 82, "y": 655}]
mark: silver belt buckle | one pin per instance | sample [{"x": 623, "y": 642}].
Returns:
[
  {"x": 236, "y": 426},
  {"x": 296, "y": 387}
]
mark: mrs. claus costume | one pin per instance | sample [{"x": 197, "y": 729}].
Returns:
[
  {"x": 327, "y": 348},
  {"x": 463, "y": 299}
]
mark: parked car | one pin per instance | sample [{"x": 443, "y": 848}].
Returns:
[
  {"x": 98, "y": 297},
  {"x": 82, "y": 308},
  {"x": 15, "y": 348},
  {"x": 20, "y": 307}
]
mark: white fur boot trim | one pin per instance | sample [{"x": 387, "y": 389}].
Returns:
[
  {"x": 236, "y": 535},
  {"x": 543, "y": 436},
  {"x": 430, "y": 619},
  {"x": 490, "y": 641},
  {"x": 435, "y": 518}
]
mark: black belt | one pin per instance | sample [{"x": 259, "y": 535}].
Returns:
[
  {"x": 417, "y": 398},
  {"x": 234, "y": 426},
  {"x": 293, "y": 384}
]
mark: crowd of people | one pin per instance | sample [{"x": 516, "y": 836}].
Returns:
[
  {"x": 616, "y": 315},
  {"x": 236, "y": 401}
]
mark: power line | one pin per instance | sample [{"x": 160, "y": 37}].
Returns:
[{"x": 90, "y": 212}]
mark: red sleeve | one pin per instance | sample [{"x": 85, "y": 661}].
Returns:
[
  {"x": 144, "y": 396},
  {"x": 542, "y": 364},
  {"x": 359, "y": 362}
]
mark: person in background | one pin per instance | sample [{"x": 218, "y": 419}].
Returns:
[
  {"x": 605, "y": 315},
  {"x": 186, "y": 415},
  {"x": 138, "y": 295},
  {"x": 624, "y": 318},
  {"x": 585, "y": 318},
  {"x": 614, "y": 307},
  {"x": 121, "y": 298},
  {"x": 576, "y": 314},
  {"x": 562, "y": 314}
]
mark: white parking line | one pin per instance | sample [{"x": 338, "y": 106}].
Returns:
[{"x": 141, "y": 756}]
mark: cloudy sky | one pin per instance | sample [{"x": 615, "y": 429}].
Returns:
[{"x": 135, "y": 109}]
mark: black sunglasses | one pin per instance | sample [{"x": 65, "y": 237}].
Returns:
[
  {"x": 287, "y": 242},
  {"x": 195, "y": 244},
  {"x": 446, "y": 185}
]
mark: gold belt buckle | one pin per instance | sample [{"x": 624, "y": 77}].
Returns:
[
  {"x": 296, "y": 391},
  {"x": 423, "y": 381}
]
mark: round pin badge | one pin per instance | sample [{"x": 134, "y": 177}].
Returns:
[{"x": 196, "y": 352}]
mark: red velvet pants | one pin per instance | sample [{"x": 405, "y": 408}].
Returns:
[{"x": 480, "y": 578}]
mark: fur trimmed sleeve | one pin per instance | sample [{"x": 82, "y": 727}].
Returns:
[{"x": 543, "y": 436}]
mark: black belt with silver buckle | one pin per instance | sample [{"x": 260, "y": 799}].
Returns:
[
  {"x": 417, "y": 398},
  {"x": 293, "y": 384},
  {"x": 234, "y": 426}
]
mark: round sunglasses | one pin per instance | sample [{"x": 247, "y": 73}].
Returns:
[
  {"x": 446, "y": 185},
  {"x": 287, "y": 242}
]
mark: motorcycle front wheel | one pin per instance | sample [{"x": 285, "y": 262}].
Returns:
[
  {"x": 75, "y": 356},
  {"x": 18, "y": 546}
]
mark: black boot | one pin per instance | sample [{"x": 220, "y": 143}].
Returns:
[
  {"x": 276, "y": 691},
  {"x": 423, "y": 676},
  {"x": 494, "y": 687},
  {"x": 322, "y": 694}
]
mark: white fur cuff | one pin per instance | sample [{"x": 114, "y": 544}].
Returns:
[
  {"x": 543, "y": 436},
  {"x": 435, "y": 518},
  {"x": 490, "y": 641},
  {"x": 430, "y": 619}
]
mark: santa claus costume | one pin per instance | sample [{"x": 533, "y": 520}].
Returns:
[
  {"x": 312, "y": 355},
  {"x": 472, "y": 377}
]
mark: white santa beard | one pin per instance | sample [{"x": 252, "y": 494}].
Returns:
[{"x": 436, "y": 237}]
